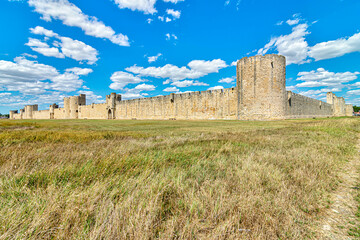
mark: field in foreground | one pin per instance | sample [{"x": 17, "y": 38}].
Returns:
[{"x": 169, "y": 179}]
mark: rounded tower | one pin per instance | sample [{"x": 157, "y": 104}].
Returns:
[
  {"x": 261, "y": 87},
  {"x": 74, "y": 107},
  {"x": 67, "y": 107}
]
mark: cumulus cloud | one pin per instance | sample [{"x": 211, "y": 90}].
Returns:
[
  {"x": 335, "y": 48},
  {"x": 137, "y": 92},
  {"x": 292, "y": 21},
  {"x": 175, "y": 14},
  {"x": 79, "y": 71},
  {"x": 71, "y": 48},
  {"x": 195, "y": 69},
  {"x": 324, "y": 78},
  {"x": 44, "y": 48},
  {"x": 145, "y": 87},
  {"x": 146, "y": 6},
  {"x": 318, "y": 93},
  {"x": 188, "y": 83},
  {"x": 227, "y": 80},
  {"x": 173, "y": 1},
  {"x": 71, "y": 15},
  {"x": 171, "y": 89},
  {"x": 354, "y": 92},
  {"x": 22, "y": 100},
  {"x": 293, "y": 46},
  {"x": 121, "y": 79},
  {"x": 297, "y": 51},
  {"x": 216, "y": 88},
  {"x": 170, "y": 36},
  {"x": 31, "y": 77},
  {"x": 154, "y": 58}
]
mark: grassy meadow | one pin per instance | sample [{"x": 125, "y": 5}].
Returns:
[{"x": 97, "y": 179}]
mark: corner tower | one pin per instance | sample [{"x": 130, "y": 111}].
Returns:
[{"x": 261, "y": 87}]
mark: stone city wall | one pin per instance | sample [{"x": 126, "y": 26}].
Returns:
[
  {"x": 260, "y": 94},
  {"x": 299, "y": 106},
  {"x": 43, "y": 114},
  {"x": 93, "y": 111},
  {"x": 214, "y": 104}
]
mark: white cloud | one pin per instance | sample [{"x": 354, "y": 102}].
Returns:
[
  {"x": 176, "y": 14},
  {"x": 42, "y": 31},
  {"x": 78, "y": 50},
  {"x": 146, "y": 6},
  {"x": 188, "y": 83},
  {"x": 168, "y": 19},
  {"x": 171, "y": 36},
  {"x": 171, "y": 89},
  {"x": 336, "y": 48},
  {"x": 324, "y": 78},
  {"x": 293, "y": 46},
  {"x": 291, "y": 88},
  {"x": 292, "y": 21},
  {"x": 354, "y": 92},
  {"x": 67, "y": 82},
  {"x": 173, "y": 1},
  {"x": 5, "y": 94},
  {"x": 71, "y": 15},
  {"x": 132, "y": 95},
  {"x": 216, "y": 88},
  {"x": 149, "y": 20},
  {"x": 79, "y": 71},
  {"x": 154, "y": 58},
  {"x": 29, "y": 55},
  {"x": 227, "y": 80},
  {"x": 145, "y": 87},
  {"x": 197, "y": 69},
  {"x": 71, "y": 48},
  {"x": 44, "y": 48},
  {"x": 296, "y": 49},
  {"x": 320, "y": 93},
  {"x": 22, "y": 100},
  {"x": 122, "y": 79},
  {"x": 234, "y": 64},
  {"x": 31, "y": 77}
]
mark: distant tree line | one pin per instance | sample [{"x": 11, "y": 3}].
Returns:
[
  {"x": 4, "y": 115},
  {"x": 356, "y": 108}
]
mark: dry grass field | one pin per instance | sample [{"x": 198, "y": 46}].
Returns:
[{"x": 94, "y": 179}]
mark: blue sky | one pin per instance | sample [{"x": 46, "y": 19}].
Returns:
[{"x": 50, "y": 49}]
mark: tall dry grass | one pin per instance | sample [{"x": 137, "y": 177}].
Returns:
[{"x": 169, "y": 180}]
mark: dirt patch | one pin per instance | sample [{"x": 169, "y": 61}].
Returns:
[{"x": 341, "y": 215}]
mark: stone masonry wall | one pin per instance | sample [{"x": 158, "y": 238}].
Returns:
[
  {"x": 299, "y": 106},
  {"x": 43, "y": 114},
  {"x": 215, "y": 104},
  {"x": 93, "y": 111},
  {"x": 260, "y": 94}
]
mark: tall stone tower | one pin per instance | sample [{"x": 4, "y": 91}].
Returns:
[
  {"x": 71, "y": 106},
  {"x": 261, "y": 87},
  {"x": 111, "y": 102},
  {"x": 29, "y": 109}
]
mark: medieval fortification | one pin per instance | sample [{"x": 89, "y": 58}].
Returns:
[{"x": 260, "y": 94}]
